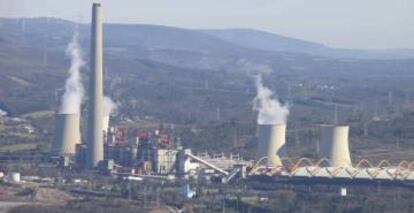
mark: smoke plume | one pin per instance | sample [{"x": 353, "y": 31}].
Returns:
[
  {"x": 109, "y": 106},
  {"x": 3, "y": 113},
  {"x": 72, "y": 98},
  {"x": 270, "y": 111}
]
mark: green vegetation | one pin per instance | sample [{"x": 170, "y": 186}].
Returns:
[{"x": 106, "y": 206}]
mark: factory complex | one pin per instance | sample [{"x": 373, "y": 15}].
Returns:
[{"x": 158, "y": 154}]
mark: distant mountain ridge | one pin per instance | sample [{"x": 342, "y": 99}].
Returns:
[
  {"x": 262, "y": 40},
  {"x": 228, "y": 42},
  {"x": 33, "y": 62}
]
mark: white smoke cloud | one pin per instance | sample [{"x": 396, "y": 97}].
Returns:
[
  {"x": 3, "y": 113},
  {"x": 109, "y": 106},
  {"x": 74, "y": 91},
  {"x": 254, "y": 68},
  {"x": 270, "y": 111}
]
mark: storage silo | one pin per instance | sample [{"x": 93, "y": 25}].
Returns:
[
  {"x": 272, "y": 138},
  {"x": 67, "y": 134},
  {"x": 335, "y": 145}
]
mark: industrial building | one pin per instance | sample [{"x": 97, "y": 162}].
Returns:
[
  {"x": 334, "y": 151},
  {"x": 165, "y": 161},
  {"x": 156, "y": 152},
  {"x": 334, "y": 146},
  {"x": 334, "y": 163},
  {"x": 146, "y": 152}
]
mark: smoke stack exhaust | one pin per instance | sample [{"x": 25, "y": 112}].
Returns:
[
  {"x": 272, "y": 138},
  {"x": 335, "y": 146},
  {"x": 95, "y": 137}
]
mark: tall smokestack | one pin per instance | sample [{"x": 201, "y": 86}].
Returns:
[
  {"x": 272, "y": 138},
  {"x": 95, "y": 139},
  {"x": 334, "y": 145}
]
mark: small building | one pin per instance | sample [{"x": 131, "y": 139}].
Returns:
[
  {"x": 187, "y": 192},
  {"x": 165, "y": 161},
  {"x": 106, "y": 166},
  {"x": 64, "y": 161},
  {"x": 81, "y": 154},
  {"x": 13, "y": 177}
]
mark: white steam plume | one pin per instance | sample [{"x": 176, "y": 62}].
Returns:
[
  {"x": 270, "y": 111},
  {"x": 3, "y": 113},
  {"x": 72, "y": 98},
  {"x": 109, "y": 106}
]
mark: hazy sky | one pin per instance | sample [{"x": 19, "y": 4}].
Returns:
[{"x": 338, "y": 23}]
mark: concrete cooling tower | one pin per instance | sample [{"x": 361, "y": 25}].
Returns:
[
  {"x": 95, "y": 118},
  {"x": 67, "y": 134},
  {"x": 272, "y": 138},
  {"x": 335, "y": 146}
]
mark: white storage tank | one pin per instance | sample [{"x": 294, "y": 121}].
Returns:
[{"x": 13, "y": 177}]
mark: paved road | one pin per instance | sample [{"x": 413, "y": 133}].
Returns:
[{"x": 5, "y": 206}]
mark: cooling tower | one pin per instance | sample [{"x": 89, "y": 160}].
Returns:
[
  {"x": 271, "y": 141},
  {"x": 95, "y": 125},
  {"x": 334, "y": 145},
  {"x": 67, "y": 134}
]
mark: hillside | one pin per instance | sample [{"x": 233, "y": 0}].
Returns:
[
  {"x": 184, "y": 77},
  {"x": 265, "y": 41},
  {"x": 261, "y": 40},
  {"x": 33, "y": 64}
]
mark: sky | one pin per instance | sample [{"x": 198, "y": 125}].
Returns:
[{"x": 360, "y": 24}]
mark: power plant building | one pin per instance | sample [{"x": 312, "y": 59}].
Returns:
[
  {"x": 335, "y": 146},
  {"x": 165, "y": 161},
  {"x": 272, "y": 138},
  {"x": 96, "y": 116}
]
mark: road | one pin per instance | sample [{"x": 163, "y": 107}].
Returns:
[{"x": 6, "y": 206}]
